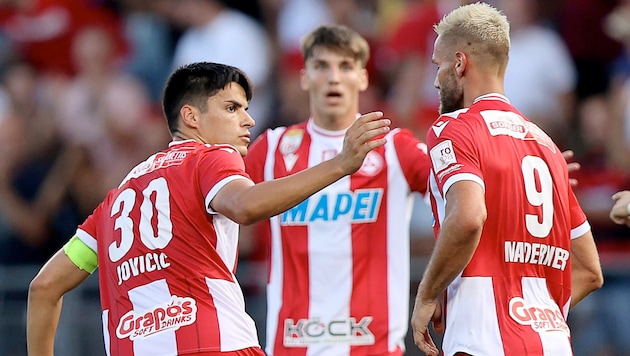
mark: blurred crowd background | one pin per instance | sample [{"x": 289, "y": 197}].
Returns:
[{"x": 80, "y": 91}]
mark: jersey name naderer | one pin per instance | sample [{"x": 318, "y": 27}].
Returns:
[
  {"x": 141, "y": 264},
  {"x": 536, "y": 253}
]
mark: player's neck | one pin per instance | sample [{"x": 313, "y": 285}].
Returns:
[{"x": 334, "y": 123}]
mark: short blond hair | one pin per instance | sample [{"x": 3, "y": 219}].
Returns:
[{"x": 480, "y": 26}]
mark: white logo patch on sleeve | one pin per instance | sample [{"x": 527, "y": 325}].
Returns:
[{"x": 442, "y": 155}]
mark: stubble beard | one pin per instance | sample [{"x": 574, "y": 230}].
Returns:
[{"x": 451, "y": 95}]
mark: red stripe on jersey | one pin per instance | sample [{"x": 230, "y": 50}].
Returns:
[
  {"x": 369, "y": 278},
  {"x": 295, "y": 265},
  {"x": 511, "y": 331}
]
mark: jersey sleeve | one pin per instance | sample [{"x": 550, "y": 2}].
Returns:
[
  {"x": 414, "y": 160},
  {"x": 219, "y": 165},
  {"x": 579, "y": 221},
  {"x": 453, "y": 152}
]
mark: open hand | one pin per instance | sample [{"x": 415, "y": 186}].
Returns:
[
  {"x": 360, "y": 139},
  {"x": 423, "y": 313}
]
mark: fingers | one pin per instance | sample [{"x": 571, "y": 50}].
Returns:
[
  {"x": 361, "y": 139},
  {"x": 364, "y": 130},
  {"x": 371, "y": 125},
  {"x": 620, "y": 194},
  {"x": 423, "y": 313},
  {"x": 425, "y": 343},
  {"x": 573, "y": 166},
  {"x": 436, "y": 319},
  {"x": 568, "y": 154}
]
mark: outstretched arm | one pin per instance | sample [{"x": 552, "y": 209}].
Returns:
[
  {"x": 58, "y": 276},
  {"x": 246, "y": 203}
]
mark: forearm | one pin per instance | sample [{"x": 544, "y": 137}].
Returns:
[
  {"x": 58, "y": 276},
  {"x": 269, "y": 198},
  {"x": 41, "y": 323},
  {"x": 586, "y": 270},
  {"x": 584, "y": 283},
  {"x": 453, "y": 251}
]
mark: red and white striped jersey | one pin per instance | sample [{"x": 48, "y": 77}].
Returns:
[
  {"x": 514, "y": 295},
  {"x": 167, "y": 260},
  {"x": 339, "y": 270}
]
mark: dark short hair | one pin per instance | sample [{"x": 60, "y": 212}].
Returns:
[{"x": 194, "y": 83}]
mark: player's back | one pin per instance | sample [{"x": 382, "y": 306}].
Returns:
[
  {"x": 167, "y": 261},
  {"x": 517, "y": 286}
]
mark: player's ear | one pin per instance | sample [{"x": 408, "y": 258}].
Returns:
[
  {"x": 189, "y": 115},
  {"x": 460, "y": 63},
  {"x": 364, "y": 80}
]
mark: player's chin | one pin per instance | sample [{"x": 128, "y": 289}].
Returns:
[{"x": 242, "y": 149}]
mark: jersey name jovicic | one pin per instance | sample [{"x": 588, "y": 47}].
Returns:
[{"x": 167, "y": 260}]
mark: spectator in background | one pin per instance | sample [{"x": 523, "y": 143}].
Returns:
[
  {"x": 101, "y": 110},
  {"x": 618, "y": 27},
  {"x": 212, "y": 31},
  {"x": 42, "y": 31},
  {"x": 541, "y": 78},
  {"x": 581, "y": 25},
  {"x": 404, "y": 63},
  {"x": 599, "y": 178},
  {"x": 151, "y": 44},
  {"x": 37, "y": 170},
  {"x": 599, "y": 326}
]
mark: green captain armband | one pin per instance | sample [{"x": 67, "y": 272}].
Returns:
[{"x": 81, "y": 255}]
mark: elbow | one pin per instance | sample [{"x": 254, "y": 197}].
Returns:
[
  {"x": 470, "y": 225},
  {"x": 246, "y": 219},
  {"x": 39, "y": 286},
  {"x": 597, "y": 280},
  {"x": 244, "y": 216}
]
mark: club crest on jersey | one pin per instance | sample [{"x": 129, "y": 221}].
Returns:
[
  {"x": 289, "y": 144},
  {"x": 169, "y": 316},
  {"x": 372, "y": 164}
]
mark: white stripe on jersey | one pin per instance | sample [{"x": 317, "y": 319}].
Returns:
[
  {"x": 228, "y": 319},
  {"x": 332, "y": 269},
  {"x": 146, "y": 297},
  {"x": 399, "y": 203},
  {"x": 106, "y": 337},
  {"x": 476, "y": 328},
  {"x": 274, "y": 295},
  {"x": 535, "y": 292}
]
